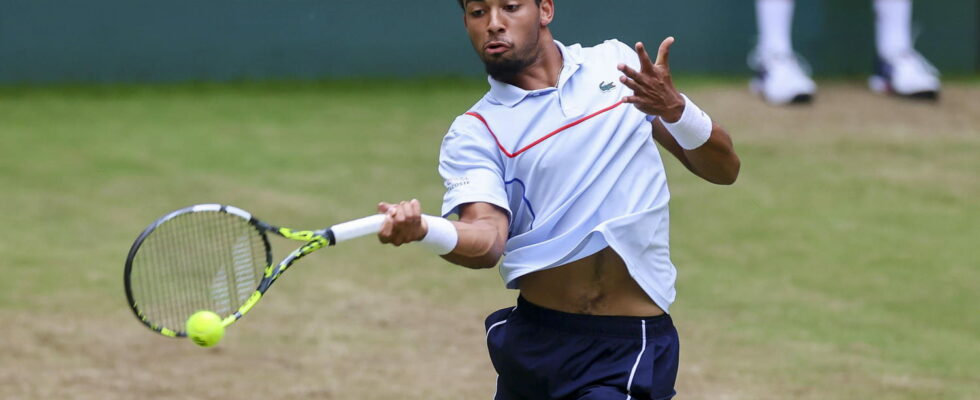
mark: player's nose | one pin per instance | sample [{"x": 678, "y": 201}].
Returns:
[{"x": 496, "y": 23}]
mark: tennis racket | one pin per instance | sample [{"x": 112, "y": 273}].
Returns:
[{"x": 214, "y": 257}]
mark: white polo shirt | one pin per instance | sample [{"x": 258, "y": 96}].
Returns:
[{"x": 576, "y": 169}]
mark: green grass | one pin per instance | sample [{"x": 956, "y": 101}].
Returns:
[{"x": 843, "y": 264}]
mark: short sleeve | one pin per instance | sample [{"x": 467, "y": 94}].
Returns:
[{"x": 472, "y": 170}]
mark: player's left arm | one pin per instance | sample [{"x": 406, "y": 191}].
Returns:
[{"x": 703, "y": 146}]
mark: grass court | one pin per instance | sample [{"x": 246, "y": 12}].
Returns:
[{"x": 842, "y": 265}]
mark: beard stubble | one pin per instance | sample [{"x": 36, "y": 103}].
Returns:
[{"x": 504, "y": 69}]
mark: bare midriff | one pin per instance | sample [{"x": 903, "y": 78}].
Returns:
[{"x": 599, "y": 284}]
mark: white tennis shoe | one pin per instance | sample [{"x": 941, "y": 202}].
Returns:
[
  {"x": 781, "y": 78},
  {"x": 907, "y": 75}
]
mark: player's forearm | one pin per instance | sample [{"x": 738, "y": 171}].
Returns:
[
  {"x": 478, "y": 246},
  {"x": 715, "y": 161}
]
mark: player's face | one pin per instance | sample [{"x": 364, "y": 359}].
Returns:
[{"x": 505, "y": 33}]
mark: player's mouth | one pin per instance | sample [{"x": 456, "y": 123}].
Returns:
[{"x": 496, "y": 47}]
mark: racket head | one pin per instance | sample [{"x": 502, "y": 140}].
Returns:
[{"x": 203, "y": 257}]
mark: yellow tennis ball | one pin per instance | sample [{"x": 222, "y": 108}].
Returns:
[{"x": 205, "y": 328}]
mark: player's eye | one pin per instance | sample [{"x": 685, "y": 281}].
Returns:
[
  {"x": 477, "y": 12},
  {"x": 512, "y": 7}
]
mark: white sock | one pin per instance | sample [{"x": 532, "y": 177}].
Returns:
[
  {"x": 775, "y": 20},
  {"x": 893, "y": 27}
]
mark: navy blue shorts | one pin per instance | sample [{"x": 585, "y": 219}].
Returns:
[{"x": 546, "y": 354}]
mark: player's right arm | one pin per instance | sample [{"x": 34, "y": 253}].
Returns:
[
  {"x": 481, "y": 231},
  {"x": 473, "y": 170}
]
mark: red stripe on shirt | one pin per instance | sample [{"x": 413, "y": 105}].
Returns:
[{"x": 545, "y": 137}]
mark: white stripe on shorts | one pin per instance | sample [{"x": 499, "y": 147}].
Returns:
[
  {"x": 498, "y": 323},
  {"x": 494, "y": 326},
  {"x": 643, "y": 326},
  {"x": 488, "y": 338}
]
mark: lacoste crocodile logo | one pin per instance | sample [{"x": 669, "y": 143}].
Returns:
[{"x": 605, "y": 87}]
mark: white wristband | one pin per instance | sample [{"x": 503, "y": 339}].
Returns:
[
  {"x": 694, "y": 127},
  {"x": 442, "y": 236}
]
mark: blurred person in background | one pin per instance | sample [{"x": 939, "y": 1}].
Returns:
[{"x": 783, "y": 78}]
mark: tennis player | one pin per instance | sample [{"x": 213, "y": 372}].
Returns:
[{"x": 555, "y": 171}]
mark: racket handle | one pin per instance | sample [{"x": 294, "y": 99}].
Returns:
[
  {"x": 359, "y": 227},
  {"x": 345, "y": 231}
]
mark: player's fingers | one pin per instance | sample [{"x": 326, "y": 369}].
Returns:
[
  {"x": 630, "y": 72},
  {"x": 415, "y": 212},
  {"x": 630, "y": 99},
  {"x": 645, "y": 64},
  {"x": 399, "y": 215},
  {"x": 384, "y": 234},
  {"x": 663, "y": 55},
  {"x": 404, "y": 218},
  {"x": 390, "y": 219},
  {"x": 631, "y": 84},
  {"x": 383, "y": 207},
  {"x": 410, "y": 220},
  {"x": 416, "y": 208}
]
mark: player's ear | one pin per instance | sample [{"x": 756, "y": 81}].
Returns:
[{"x": 547, "y": 8}]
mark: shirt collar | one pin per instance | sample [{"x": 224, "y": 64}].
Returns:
[{"x": 509, "y": 95}]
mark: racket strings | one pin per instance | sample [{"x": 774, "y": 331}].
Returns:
[{"x": 197, "y": 261}]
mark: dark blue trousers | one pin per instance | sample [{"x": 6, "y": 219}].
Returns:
[{"x": 543, "y": 354}]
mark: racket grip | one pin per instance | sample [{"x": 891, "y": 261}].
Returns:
[{"x": 359, "y": 227}]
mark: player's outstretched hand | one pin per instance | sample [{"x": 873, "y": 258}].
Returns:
[
  {"x": 653, "y": 89},
  {"x": 403, "y": 222}
]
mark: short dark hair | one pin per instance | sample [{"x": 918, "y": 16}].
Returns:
[{"x": 462, "y": 3}]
